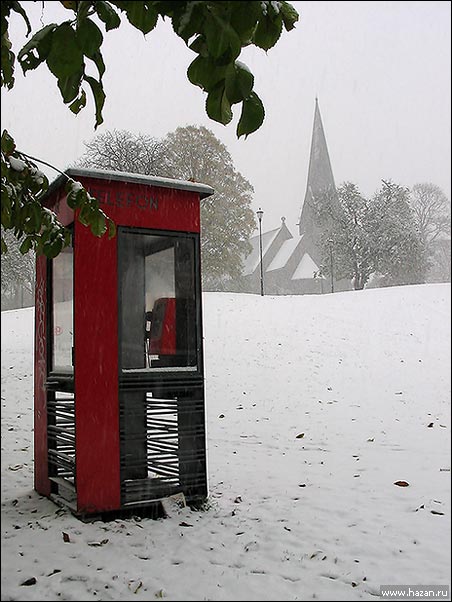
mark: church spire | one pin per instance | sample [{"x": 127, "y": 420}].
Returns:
[{"x": 320, "y": 175}]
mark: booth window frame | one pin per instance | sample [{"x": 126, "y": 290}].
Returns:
[
  {"x": 153, "y": 375},
  {"x": 59, "y": 373}
]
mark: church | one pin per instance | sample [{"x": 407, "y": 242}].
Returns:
[{"x": 291, "y": 263}]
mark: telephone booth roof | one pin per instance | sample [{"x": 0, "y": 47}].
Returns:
[
  {"x": 131, "y": 199},
  {"x": 134, "y": 178}
]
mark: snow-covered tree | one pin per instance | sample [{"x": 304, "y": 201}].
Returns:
[
  {"x": 361, "y": 238},
  {"x": 398, "y": 249},
  {"x": 342, "y": 216},
  {"x": 18, "y": 273}
]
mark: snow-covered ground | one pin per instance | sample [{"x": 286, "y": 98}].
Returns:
[{"x": 316, "y": 406}]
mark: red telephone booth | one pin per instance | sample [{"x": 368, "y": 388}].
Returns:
[{"x": 119, "y": 381}]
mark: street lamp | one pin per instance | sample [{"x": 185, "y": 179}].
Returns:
[
  {"x": 330, "y": 244},
  {"x": 260, "y": 213}
]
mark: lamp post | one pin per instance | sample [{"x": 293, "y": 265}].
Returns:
[
  {"x": 260, "y": 213},
  {"x": 330, "y": 244}
]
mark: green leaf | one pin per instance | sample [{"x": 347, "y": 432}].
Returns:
[
  {"x": 203, "y": 72},
  {"x": 83, "y": 7},
  {"x": 98, "y": 224},
  {"x": 188, "y": 19},
  {"x": 99, "y": 97},
  {"x": 218, "y": 106},
  {"x": 89, "y": 37},
  {"x": 142, "y": 15},
  {"x": 26, "y": 245},
  {"x": 99, "y": 62},
  {"x": 69, "y": 86},
  {"x": 76, "y": 194},
  {"x": 289, "y": 15},
  {"x": 78, "y": 103},
  {"x": 111, "y": 228},
  {"x": 107, "y": 14},
  {"x": 65, "y": 57},
  {"x": 6, "y": 209},
  {"x": 268, "y": 30},
  {"x": 53, "y": 247},
  {"x": 8, "y": 144},
  {"x": 84, "y": 215},
  {"x": 252, "y": 115},
  {"x": 244, "y": 16},
  {"x": 7, "y": 65},
  {"x": 239, "y": 82},
  {"x": 199, "y": 46},
  {"x": 37, "y": 49},
  {"x": 30, "y": 217},
  {"x": 221, "y": 38}
]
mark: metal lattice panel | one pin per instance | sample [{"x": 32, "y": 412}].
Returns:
[
  {"x": 162, "y": 446},
  {"x": 61, "y": 441}
]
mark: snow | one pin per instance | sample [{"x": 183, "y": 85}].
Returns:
[
  {"x": 17, "y": 164},
  {"x": 75, "y": 186},
  {"x": 316, "y": 406}
]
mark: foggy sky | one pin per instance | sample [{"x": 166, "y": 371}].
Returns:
[{"x": 381, "y": 72}]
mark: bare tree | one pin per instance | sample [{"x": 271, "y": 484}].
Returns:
[
  {"x": 120, "y": 150},
  {"x": 431, "y": 208}
]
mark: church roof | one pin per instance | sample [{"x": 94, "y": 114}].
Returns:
[
  {"x": 252, "y": 261},
  {"x": 284, "y": 254},
  {"x": 307, "y": 268}
]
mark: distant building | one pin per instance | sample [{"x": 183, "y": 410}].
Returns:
[{"x": 291, "y": 264}]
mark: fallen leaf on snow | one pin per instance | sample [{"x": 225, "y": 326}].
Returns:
[
  {"x": 401, "y": 483},
  {"x": 134, "y": 586}
]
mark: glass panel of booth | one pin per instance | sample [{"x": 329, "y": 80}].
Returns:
[
  {"x": 157, "y": 303},
  {"x": 63, "y": 310}
]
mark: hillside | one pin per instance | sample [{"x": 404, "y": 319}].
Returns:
[{"x": 316, "y": 406}]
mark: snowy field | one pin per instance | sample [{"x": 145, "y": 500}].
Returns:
[{"x": 316, "y": 406}]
